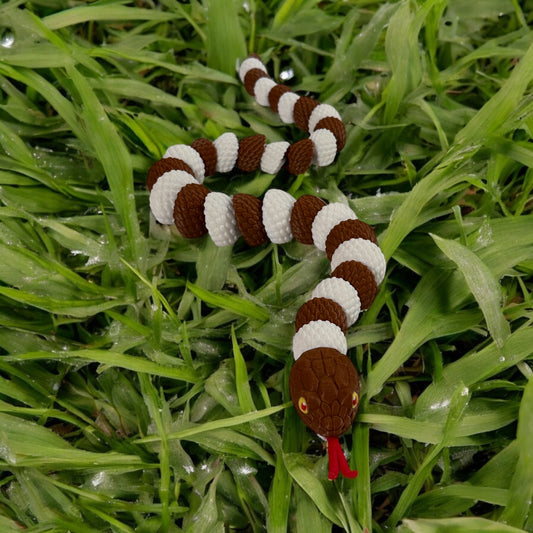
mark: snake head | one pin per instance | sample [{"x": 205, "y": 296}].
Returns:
[{"x": 324, "y": 387}]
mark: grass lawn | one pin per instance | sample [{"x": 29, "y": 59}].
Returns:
[{"x": 144, "y": 377}]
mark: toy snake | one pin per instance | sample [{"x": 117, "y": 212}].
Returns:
[{"x": 323, "y": 383}]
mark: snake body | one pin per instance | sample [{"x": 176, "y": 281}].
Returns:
[{"x": 323, "y": 384}]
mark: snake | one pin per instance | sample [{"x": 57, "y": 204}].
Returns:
[{"x": 324, "y": 384}]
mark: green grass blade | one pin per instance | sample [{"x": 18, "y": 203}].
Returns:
[
  {"x": 241, "y": 377},
  {"x": 457, "y": 525},
  {"x": 229, "y": 442},
  {"x": 519, "y": 506},
  {"x": 225, "y": 40},
  {"x": 109, "y": 358},
  {"x": 160, "y": 414},
  {"x": 465, "y": 491},
  {"x": 458, "y": 403},
  {"x": 286, "y": 11},
  {"x": 101, "y": 134},
  {"x": 73, "y": 308},
  {"x": 279, "y": 498},
  {"x": 409, "y": 215},
  {"x": 307, "y": 516},
  {"x": 403, "y": 56},
  {"x": 232, "y": 303},
  {"x": 28, "y": 444},
  {"x": 481, "y": 419},
  {"x": 482, "y": 284},
  {"x": 496, "y": 111},
  {"x": 218, "y": 424},
  {"x": 472, "y": 368},
  {"x": 341, "y": 74},
  {"x": 322, "y": 492},
  {"x": 206, "y": 517},
  {"x": 80, "y": 14}
]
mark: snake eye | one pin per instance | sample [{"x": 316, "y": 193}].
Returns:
[
  {"x": 302, "y": 405},
  {"x": 355, "y": 400}
]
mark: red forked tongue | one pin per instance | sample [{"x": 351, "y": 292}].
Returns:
[{"x": 337, "y": 460}]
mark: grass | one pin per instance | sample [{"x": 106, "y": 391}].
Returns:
[{"x": 144, "y": 378}]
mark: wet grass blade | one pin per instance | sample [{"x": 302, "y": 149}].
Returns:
[
  {"x": 110, "y": 12},
  {"x": 483, "y": 286},
  {"x": 518, "y": 508},
  {"x": 457, "y": 525},
  {"x": 28, "y": 444},
  {"x": 225, "y": 40},
  {"x": 458, "y": 403},
  {"x": 109, "y": 359},
  {"x": 232, "y": 303}
]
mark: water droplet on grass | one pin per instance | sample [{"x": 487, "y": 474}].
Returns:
[
  {"x": 189, "y": 469},
  {"x": 98, "y": 479},
  {"x": 484, "y": 234},
  {"x": 440, "y": 405},
  {"x": 286, "y": 74},
  {"x": 7, "y": 454},
  {"x": 7, "y": 39},
  {"x": 94, "y": 260},
  {"x": 247, "y": 469}
]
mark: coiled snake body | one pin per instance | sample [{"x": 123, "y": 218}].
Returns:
[{"x": 324, "y": 384}]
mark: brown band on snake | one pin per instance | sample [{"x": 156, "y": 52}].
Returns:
[
  {"x": 303, "y": 213},
  {"x": 336, "y": 127},
  {"x": 189, "y": 210},
  {"x": 326, "y": 380},
  {"x": 249, "y": 217},
  {"x": 165, "y": 165},
  {"x": 299, "y": 156},
  {"x": 360, "y": 277},
  {"x": 208, "y": 153},
  {"x": 346, "y": 230},
  {"x": 275, "y": 94},
  {"x": 251, "y": 77},
  {"x": 321, "y": 309},
  {"x": 302, "y": 111},
  {"x": 250, "y": 152}
]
